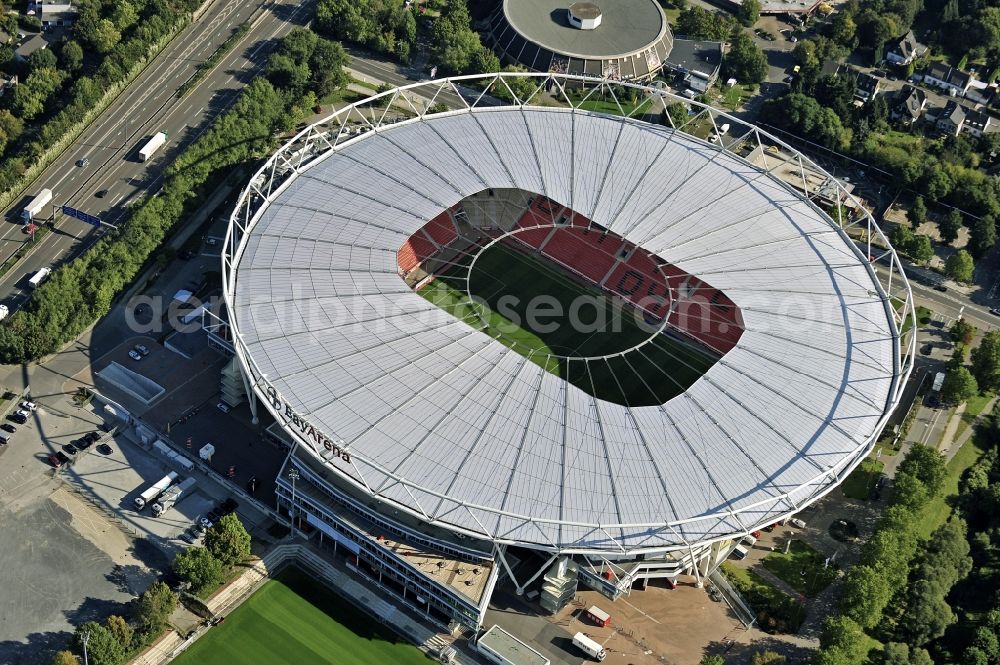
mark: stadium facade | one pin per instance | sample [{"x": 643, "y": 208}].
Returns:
[
  {"x": 616, "y": 40},
  {"x": 439, "y": 459}
]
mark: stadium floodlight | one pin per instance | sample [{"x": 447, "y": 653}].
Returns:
[{"x": 446, "y": 420}]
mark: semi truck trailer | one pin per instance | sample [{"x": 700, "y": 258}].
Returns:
[
  {"x": 39, "y": 277},
  {"x": 170, "y": 498},
  {"x": 152, "y": 145},
  {"x": 36, "y": 205},
  {"x": 590, "y": 647},
  {"x": 155, "y": 490}
]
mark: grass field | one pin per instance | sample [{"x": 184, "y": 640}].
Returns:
[
  {"x": 292, "y": 620},
  {"x": 802, "y": 568},
  {"x": 859, "y": 484},
  {"x": 509, "y": 282},
  {"x": 940, "y": 508}
]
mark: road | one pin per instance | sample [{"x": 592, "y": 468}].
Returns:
[{"x": 149, "y": 105}]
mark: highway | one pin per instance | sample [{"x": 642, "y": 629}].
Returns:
[{"x": 148, "y": 105}]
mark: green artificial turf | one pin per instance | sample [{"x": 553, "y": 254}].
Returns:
[{"x": 294, "y": 620}]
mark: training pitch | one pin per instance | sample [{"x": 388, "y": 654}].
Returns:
[
  {"x": 596, "y": 343},
  {"x": 293, "y": 620}
]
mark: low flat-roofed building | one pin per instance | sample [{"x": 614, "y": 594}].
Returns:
[
  {"x": 502, "y": 648},
  {"x": 698, "y": 62}
]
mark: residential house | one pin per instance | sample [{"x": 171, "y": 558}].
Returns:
[
  {"x": 867, "y": 87},
  {"x": 954, "y": 81},
  {"x": 697, "y": 62},
  {"x": 55, "y": 15},
  {"x": 908, "y": 105},
  {"x": 905, "y": 50},
  {"x": 29, "y": 46},
  {"x": 978, "y": 123},
  {"x": 951, "y": 119}
]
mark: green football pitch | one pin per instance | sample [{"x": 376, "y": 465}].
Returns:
[
  {"x": 626, "y": 362},
  {"x": 293, "y": 620}
]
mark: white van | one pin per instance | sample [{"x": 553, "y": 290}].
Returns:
[
  {"x": 749, "y": 540},
  {"x": 739, "y": 552}
]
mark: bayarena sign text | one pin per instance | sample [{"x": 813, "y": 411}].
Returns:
[{"x": 302, "y": 425}]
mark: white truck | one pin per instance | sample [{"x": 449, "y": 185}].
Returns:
[
  {"x": 155, "y": 490},
  {"x": 590, "y": 647},
  {"x": 36, "y": 205},
  {"x": 39, "y": 277},
  {"x": 170, "y": 498},
  {"x": 152, "y": 145}
]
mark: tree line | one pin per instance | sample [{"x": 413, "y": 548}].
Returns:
[
  {"x": 59, "y": 85},
  {"x": 81, "y": 291},
  {"x": 118, "y": 639}
]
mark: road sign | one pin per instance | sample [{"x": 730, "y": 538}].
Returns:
[{"x": 81, "y": 215}]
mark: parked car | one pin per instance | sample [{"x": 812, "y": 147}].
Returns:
[
  {"x": 30, "y": 406},
  {"x": 104, "y": 449},
  {"x": 17, "y": 418},
  {"x": 70, "y": 448},
  {"x": 141, "y": 349},
  {"x": 55, "y": 461},
  {"x": 797, "y": 523},
  {"x": 82, "y": 443},
  {"x": 926, "y": 349},
  {"x": 134, "y": 355},
  {"x": 222, "y": 406},
  {"x": 7, "y": 427},
  {"x": 23, "y": 412}
]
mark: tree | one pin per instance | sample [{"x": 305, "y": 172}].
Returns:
[
  {"x": 866, "y": 595},
  {"x": 844, "y": 30},
  {"x": 959, "y": 386},
  {"x": 64, "y": 658},
  {"x": 98, "y": 33},
  {"x": 896, "y": 653},
  {"x": 962, "y": 331},
  {"x": 745, "y": 61},
  {"x": 677, "y": 113},
  {"x": 960, "y": 266},
  {"x": 228, "y": 540},
  {"x": 199, "y": 568},
  {"x": 748, "y": 12},
  {"x": 30, "y": 97},
  {"x": 927, "y": 613},
  {"x": 43, "y": 57},
  {"x": 918, "y": 212},
  {"x": 986, "y": 361},
  {"x": 925, "y": 464},
  {"x": 152, "y": 609},
  {"x": 118, "y": 627},
  {"x": 698, "y": 23},
  {"x": 103, "y": 648},
  {"x": 327, "y": 64},
  {"x": 767, "y": 658},
  {"x": 982, "y": 236},
  {"x": 902, "y": 238},
  {"x": 922, "y": 250},
  {"x": 71, "y": 56},
  {"x": 712, "y": 659},
  {"x": 950, "y": 225},
  {"x": 842, "y": 641},
  {"x": 124, "y": 15}
]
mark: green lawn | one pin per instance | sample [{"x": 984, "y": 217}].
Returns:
[
  {"x": 776, "y": 612},
  {"x": 937, "y": 511},
  {"x": 973, "y": 408},
  {"x": 511, "y": 282},
  {"x": 293, "y": 620},
  {"x": 861, "y": 481},
  {"x": 802, "y": 568}
]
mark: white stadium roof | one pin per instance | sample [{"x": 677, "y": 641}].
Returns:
[{"x": 447, "y": 423}]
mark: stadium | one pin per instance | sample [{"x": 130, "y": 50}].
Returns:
[{"x": 525, "y": 342}]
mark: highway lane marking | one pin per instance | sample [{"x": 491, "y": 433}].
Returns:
[{"x": 171, "y": 111}]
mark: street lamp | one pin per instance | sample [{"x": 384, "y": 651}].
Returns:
[{"x": 293, "y": 475}]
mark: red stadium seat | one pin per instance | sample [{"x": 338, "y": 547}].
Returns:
[
  {"x": 441, "y": 229},
  {"x": 580, "y": 253}
]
